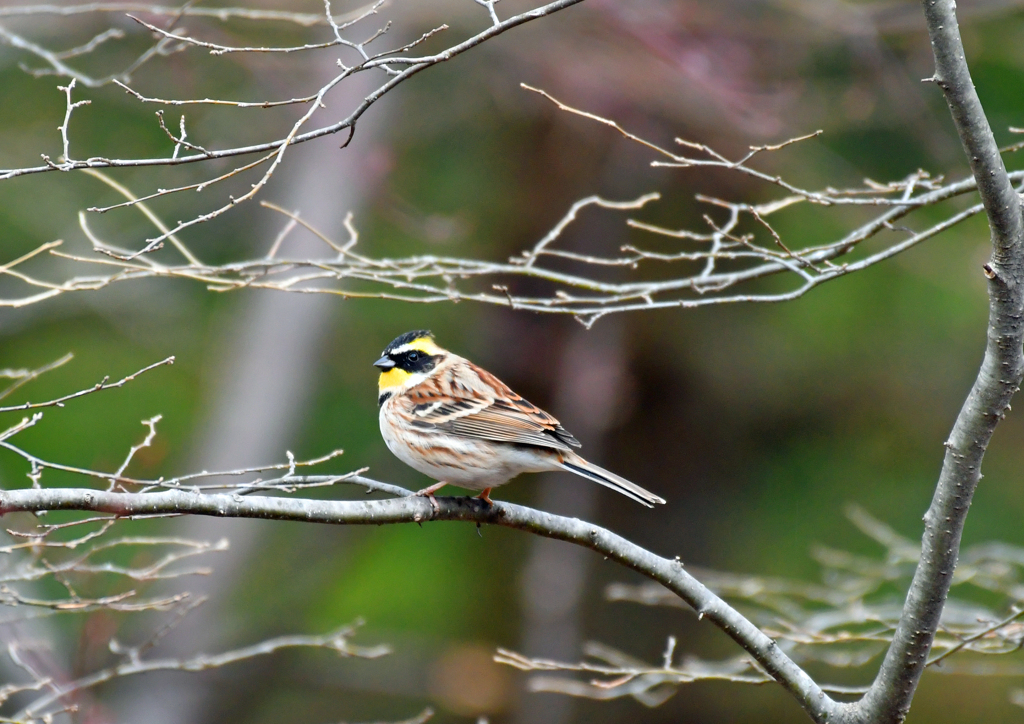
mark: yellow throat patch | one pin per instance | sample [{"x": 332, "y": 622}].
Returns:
[{"x": 395, "y": 377}]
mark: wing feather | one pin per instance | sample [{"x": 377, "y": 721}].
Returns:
[{"x": 468, "y": 401}]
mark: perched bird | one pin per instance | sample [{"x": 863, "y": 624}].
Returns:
[{"x": 449, "y": 419}]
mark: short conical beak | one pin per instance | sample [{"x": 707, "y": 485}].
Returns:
[{"x": 384, "y": 364}]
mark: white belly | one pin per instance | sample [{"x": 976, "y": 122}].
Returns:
[{"x": 464, "y": 461}]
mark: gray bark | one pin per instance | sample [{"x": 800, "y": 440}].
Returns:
[
  {"x": 669, "y": 573},
  {"x": 1000, "y": 376}
]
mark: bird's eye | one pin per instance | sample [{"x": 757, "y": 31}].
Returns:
[{"x": 413, "y": 356}]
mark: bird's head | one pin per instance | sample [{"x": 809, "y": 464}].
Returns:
[{"x": 406, "y": 361}]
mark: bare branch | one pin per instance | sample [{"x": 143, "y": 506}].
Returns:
[
  {"x": 726, "y": 257},
  {"x": 731, "y": 251},
  {"x": 414, "y": 66},
  {"x": 53, "y": 59},
  {"x": 417, "y": 510},
  {"x": 742, "y": 247},
  {"x": 337, "y": 641},
  {"x": 98, "y": 387},
  {"x": 23, "y": 377},
  {"x": 212, "y": 101},
  {"x": 396, "y": 64},
  {"x": 989, "y": 400},
  {"x": 178, "y": 11}
]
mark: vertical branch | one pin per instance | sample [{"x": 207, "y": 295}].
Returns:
[
  {"x": 1002, "y": 203},
  {"x": 989, "y": 400}
]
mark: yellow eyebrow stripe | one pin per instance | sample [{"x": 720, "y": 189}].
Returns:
[{"x": 425, "y": 345}]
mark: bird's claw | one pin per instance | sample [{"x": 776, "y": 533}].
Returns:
[{"x": 428, "y": 493}]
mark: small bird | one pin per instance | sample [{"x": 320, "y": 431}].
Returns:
[{"x": 447, "y": 418}]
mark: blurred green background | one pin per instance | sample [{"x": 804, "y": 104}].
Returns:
[{"x": 757, "y": 423}]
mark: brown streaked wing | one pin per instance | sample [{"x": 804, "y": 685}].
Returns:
[{"x": 469, "y": 401}]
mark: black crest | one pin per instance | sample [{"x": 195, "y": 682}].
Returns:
[{"x": 407, "y": 338}]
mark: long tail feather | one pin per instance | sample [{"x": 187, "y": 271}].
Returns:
[{"x": 575, "y": 464}]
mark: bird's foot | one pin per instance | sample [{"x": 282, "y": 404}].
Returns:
[
  {"x": 485, "y": 496},
  {"x": 428, "y": 493}
]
